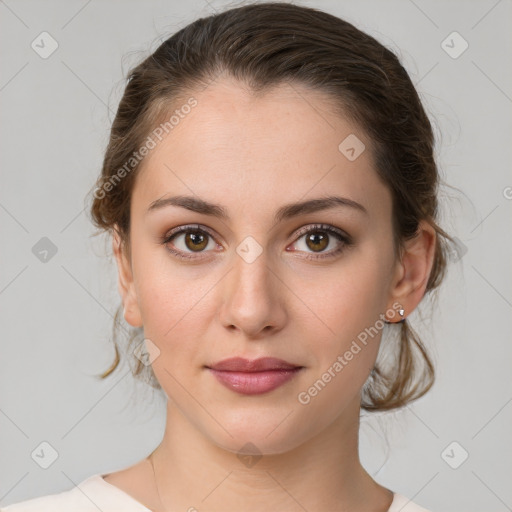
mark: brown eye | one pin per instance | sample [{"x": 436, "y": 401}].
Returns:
[
  {"x": 195, "y": 240},
  {"x": 186, "y": 240},
  {"x": 317, "y": 241},
  {"x": 318, "y": 238}
]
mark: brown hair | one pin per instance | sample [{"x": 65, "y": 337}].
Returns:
[{"x": 263, "y": 45}]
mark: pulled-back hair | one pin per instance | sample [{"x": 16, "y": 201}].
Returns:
[{"x": 264, "y": 45}]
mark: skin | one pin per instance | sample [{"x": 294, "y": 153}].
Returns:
[{"x": 252, "y": 155}]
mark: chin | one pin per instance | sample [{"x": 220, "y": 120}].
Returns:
[
  {"x": 259, "y": 433},
  {"x": 256, "y": 445}
]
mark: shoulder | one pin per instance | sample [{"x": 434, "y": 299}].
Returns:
[
  {"x": 91, "y": 495},
  {"x": 403, "y": 504},
  {"x": 77, "y": 499}
]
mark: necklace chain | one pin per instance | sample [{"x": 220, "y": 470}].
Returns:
[{"x": 154, "y": 478}]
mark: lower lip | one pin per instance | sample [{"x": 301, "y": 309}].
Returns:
[{"x": 254, "y": 383}]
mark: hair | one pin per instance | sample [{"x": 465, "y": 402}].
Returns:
[{"x": 264, "y": 45}]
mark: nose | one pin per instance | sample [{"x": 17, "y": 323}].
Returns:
[{"x": 253, "y": 298}]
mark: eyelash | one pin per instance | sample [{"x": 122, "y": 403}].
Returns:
[{"x": 338, "y": 234}]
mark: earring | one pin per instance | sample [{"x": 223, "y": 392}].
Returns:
[{"x": 401, "y": 312}]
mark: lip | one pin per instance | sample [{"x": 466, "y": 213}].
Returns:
[
  {"x": 240, "y": 364},
  {"x": 251, "y": 377}
]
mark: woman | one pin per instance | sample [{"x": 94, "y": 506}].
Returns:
[{"x": 271, "y": 190}]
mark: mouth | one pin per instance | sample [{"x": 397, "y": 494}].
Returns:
[{"x": 252, "y": 377}]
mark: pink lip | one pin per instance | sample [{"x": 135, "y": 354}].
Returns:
[{"x": 253, "y": 377}]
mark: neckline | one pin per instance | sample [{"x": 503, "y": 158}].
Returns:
[{"x": 98, "y": 478}]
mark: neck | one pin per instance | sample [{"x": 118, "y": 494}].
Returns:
[{"x": 323, "y": 473}]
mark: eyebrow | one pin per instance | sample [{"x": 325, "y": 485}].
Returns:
[{"x": 287, "y": 211}]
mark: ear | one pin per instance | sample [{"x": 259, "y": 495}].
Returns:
[
  {"x": 413, "y": 270},
  {"x": 126, "y": 285}
]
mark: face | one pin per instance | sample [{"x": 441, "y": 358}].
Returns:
[{"x": 301, "y": 287}]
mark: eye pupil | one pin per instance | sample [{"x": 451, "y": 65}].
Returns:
[
  {"x": 197, "y": 239},
  {"x": 316, "y": 238}
]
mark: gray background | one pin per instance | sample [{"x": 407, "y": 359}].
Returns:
[{"x": 57, "y": 315}]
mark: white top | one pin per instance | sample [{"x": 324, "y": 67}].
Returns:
[{"x": 95, "y": 493}]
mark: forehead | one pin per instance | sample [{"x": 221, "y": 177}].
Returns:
[{"x": 266, "y": 148}]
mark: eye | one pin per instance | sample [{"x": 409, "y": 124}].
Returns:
[
  {"x": 319, "y": 236},
  {"x": 188, "y": 238}
]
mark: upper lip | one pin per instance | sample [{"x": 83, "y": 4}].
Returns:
[{"x": 239, "y": 364}]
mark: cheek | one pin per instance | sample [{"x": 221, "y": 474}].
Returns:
[
  {"x": 346, "y": 351},
  {"x": 344, "y": 344},
  {"x": 351, "y": 299},
  {"x": 166, "y": 292},
  {"x": 171, "y": 304}
]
